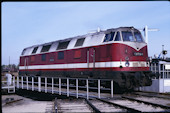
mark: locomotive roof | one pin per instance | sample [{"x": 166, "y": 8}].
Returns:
[
  {"x": 102, "y": 32},
  {"x": 79, "y": 36}
]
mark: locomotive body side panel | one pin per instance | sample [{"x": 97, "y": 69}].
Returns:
[{"x": 107, "y": 57}]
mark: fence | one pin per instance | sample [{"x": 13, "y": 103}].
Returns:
[
  {"x": 70, "y": 86},
  {"x": 5, "y": 84},
  {"x": 161, "y": 83},
  {"x": 161, "y": 68}
]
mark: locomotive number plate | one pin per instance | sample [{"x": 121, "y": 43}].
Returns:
[{"x": 138, "y": 54}]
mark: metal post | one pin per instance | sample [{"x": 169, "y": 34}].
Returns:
[
  {"x": 146, "y": 34},
  {"x": 98, "y": 88},
  {"x": 32, "y": 83},
  {"x": 52, "y": 85},
  {"x": 14, "y": 82},
  {"x": 88, "y": 58},
  {"x": 140, "y": 89},
  {"x": 39, "y": 84},
  {"x": 8, "y": 87},
  {"x": 151, "y": 67},
  {"x": 27, "y": 82},
  {"x": 45, "y": 84},
  {"x": 87, "y": 84},
  {"x": 17, "y": 82},
  {"x": 159, "y": 69},
  {"x": 77, "y": 88},
  {"x": 22, "y": 82},
  {"x": 155, "y": 67},
  {"x": 59, "y": 86},
  {"x": 67, "y": 87},
  {"x": 163, "y": 71},
  {"x": 163, "y": 76},
  {"x": 112, "y": 88}
]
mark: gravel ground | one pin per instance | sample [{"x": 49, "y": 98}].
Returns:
[
  {"x": 73, "y": 105},
  {"x": 104, "y": 107},
  {"x": 139, "y": 106}
]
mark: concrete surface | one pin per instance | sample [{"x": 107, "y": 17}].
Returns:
[{"x": 25, "y": 105}]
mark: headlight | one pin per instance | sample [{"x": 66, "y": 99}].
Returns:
[{"x": 127, "y": 64}]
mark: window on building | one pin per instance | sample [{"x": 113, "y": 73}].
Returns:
[
  {"x": 63, "y": 45},
  {"x": 117, "y": 38},
  {"x": 34, "y": 50},
  {"x": 60, "y": 55},
  {"x": 23, "y": 52},
  {"x": 77, "y": 53},
  {"x": 43, "y": 57},
  {"x": 45, "y": 48},
  {"x": 109, "y": 37},
  {"x": 79, "y": 42},
  {"x": 127, "y": 36}
]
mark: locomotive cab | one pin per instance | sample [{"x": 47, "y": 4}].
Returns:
[
  {"x": 129, "y": 50},
  {"x": 135, "y": 55}
]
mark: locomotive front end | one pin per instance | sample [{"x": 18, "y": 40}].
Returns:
[{"x": 133, "y": 56}]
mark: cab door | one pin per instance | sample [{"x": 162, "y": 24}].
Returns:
[
  {"x": 91, "y": 58},
  {"x": 26, "y": 65}
]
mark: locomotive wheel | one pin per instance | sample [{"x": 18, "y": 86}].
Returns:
[{"x": 129, "y": 84}]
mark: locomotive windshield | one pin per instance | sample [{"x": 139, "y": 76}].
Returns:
[
  {"x": 138, "y": 37},
  {"x": 128, "y": 36}
]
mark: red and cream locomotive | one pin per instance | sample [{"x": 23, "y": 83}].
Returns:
[{"x": 119, "y": 54}]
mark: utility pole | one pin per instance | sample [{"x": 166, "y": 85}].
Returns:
[
  {"x": 9, "y": 63},
  {"x": 146, "y": 29}
]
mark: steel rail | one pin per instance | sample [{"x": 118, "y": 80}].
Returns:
[
  {"x": 121, "y": 106},
  {"x": 9, "y": 102},
  {"x": 92, "y": 106},
  {"x": 149, "y": 103},
  {"x": 152, "y": 95},
  {"x": 55, "y": 105},
  {"x": 153, "y": 92}
]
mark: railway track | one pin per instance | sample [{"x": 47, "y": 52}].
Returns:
[
  {"x": 155, "y": 99},
  {"x": 151, "y": 94},
  {"x": 121, "y": 104},
  {"x": 103, "y": 106},
  {"x": 72, "y": 105},
  {"x": 133, "y": 105},
  {"x": 84, "y": 105}
]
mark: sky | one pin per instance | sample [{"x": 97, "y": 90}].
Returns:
[{"x": 24, "y": 24}]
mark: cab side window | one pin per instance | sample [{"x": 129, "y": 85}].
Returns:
[{"x": 109, "y": 37}]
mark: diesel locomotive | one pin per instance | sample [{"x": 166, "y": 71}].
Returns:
[{"x": 119, "y": 54}]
